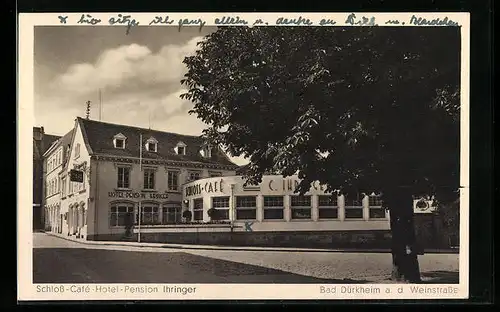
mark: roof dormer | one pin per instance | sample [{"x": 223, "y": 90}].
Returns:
[
  {"x": 180, "y": 148},
  {"x": 152, "y": 145},
  {"x": 119, "y": 141},
  {"x": 206, "y": 151}
]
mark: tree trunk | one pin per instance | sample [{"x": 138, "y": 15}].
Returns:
[{"x": 404, "y": 249}]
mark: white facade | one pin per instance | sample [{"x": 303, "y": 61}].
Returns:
[
  {"x": 113, "y": 186},
  {"x": 74, "y": 198},
  {"x": 274, "y": 206},
  {"x": 161, "y": 205}
]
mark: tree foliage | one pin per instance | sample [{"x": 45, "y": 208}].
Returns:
[{"x": 360, "y": 109}]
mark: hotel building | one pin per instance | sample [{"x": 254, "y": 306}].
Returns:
[{"x": 120, "y": 174}]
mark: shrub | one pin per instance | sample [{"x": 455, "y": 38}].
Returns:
[
  {"x": 213, "y": 213},
  {"x": 188, "y": 215}
]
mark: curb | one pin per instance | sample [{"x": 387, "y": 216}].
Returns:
[{"x": 237, "y": 248}]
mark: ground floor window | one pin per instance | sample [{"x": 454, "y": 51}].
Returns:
[
  {"x": 198, "y": 209},
  {"x": 353, "y": 208},
  {"x": 118, "y": 213},
  {"x": 150, "y": 214},
  {"x": 328, "y": 207},
  {"x": 172, "y": 213},
  {"x": 273, "y": 208},
  {"x": 246, "y": 207},
  {"x": 301, "y": 207},
  {"x": 221, "y": 204},
  {"x": 375, "y": 207}
]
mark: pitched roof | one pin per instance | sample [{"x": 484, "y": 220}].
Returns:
[
  {"x": 98, "y": 137},
  {"x": 48, "y": 140},
  {"x": 242, "y": 169},
  {"x": 65, "y": 141}
]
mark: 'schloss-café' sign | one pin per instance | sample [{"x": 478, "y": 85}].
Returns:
[{"x": 208, "y": 187}]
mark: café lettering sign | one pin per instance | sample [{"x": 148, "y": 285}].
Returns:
[
  {"x": 292, "y": 184},
  {"x": 208, "y": 187},
  {"x": 136, "y": 195}
]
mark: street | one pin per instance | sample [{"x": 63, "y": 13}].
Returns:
[{"x": 56, "y": 260}]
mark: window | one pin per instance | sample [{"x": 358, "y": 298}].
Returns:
[
  {"x": 246, "y": 207},
  {"x": 194, "y": 175},
  {"x": 119, "y": 213},
  {"x": 221, "y": 205},
  {"x": 198, "y": 209},
  {"x": 119, "y": 143},
  {"x": 77, "y": 150},
  {"x": 273, "y": 207},
  {"x": 123, "y": 177},
  {"x": 149, "y": 179},
  {"x": 150, "y": 214},
  {"x": 63, "y": 186},
  {"x": 328, "y": 206},
  {"x": 214, "y": 174},
  {"x": 180, "y": 148},
  {"x": 301, "y": 207},
  {"x": 79, "y": 186},
  {"x": 353, "y": 208},
  {"x": 172, "y": 213},
  {"x": 152, "y": 147},
  {"x": 375, "y": 207},
  {"x": 71, "y": 186},
  {"x": 151, "y": 144},
  {"x": 119, "y": 140},
  {"x": 173, "y": 180},
  {"x": 206, "y": 151}
]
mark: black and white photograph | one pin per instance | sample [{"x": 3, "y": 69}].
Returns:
[{"x": 170, "y": 155}]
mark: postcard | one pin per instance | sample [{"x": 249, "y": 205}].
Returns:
[{"x": 233, "y": 156}]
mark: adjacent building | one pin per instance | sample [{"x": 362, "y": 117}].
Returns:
[
  {"x": 54, "y": 162},
  {"x": 41, "y": 142}
]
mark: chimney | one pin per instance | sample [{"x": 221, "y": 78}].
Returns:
[{"x": 38, "y": 133}]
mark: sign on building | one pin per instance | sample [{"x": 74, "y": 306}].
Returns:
[
  {"x": 76, "y": 176},
  {"x": 423, "y": 205}
]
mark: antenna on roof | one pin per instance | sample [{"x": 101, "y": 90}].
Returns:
[{"x": 87, "y": 111}]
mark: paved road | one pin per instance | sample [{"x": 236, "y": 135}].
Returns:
[{"x": 56, "y": 260}]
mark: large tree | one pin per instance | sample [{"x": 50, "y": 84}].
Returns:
[{"x": 360, "y": 109}]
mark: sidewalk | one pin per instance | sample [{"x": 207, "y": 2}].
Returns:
[{"x": 235, "y": 248}]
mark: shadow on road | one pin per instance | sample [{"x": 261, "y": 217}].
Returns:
[
  {"x": 81, "y": 265},
  {"x": 440, "y": 277}
]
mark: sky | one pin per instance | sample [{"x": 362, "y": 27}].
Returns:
[{"x": 138, "y": 74}]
